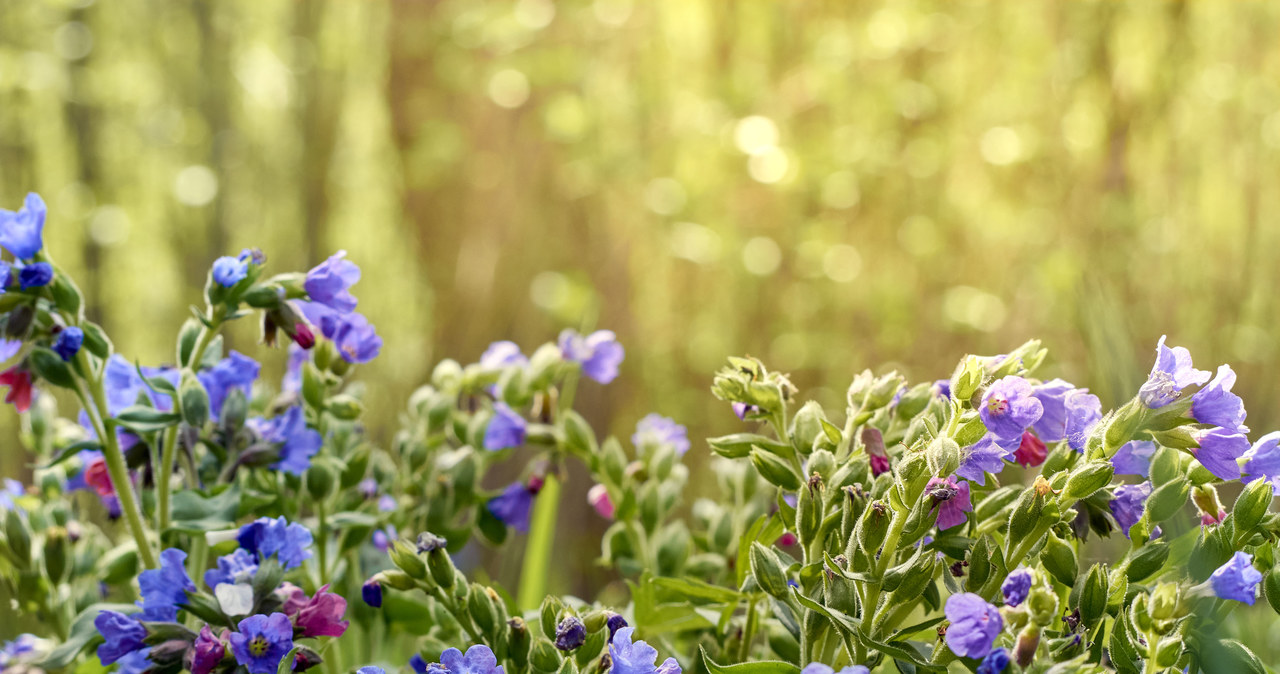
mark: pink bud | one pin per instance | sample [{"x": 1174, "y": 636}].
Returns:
[
  {"x": 599, "y": 499},
  {"x": 292, "y": 596},
  {"x": 322, "y": 616}
]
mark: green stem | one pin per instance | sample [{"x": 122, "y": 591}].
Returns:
[
  {"x": 116, "y": 467},
  {"x": 169, "y": 449},
  {"x": 887, "y": 552},
  {"x": 322, "y": 544},
  {"x": 537, "y": 551},
  {"x": 748, "y": 631}
]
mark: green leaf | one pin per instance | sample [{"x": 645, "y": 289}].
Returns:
[
  {"x": 766, "y": 529},
  {"x": 142, "y": 419},
  {"x": 352, "y": 519},
  {"x": 690, "y": 588},
  {"x": 658, "y": 618},
  {"x": 73, "y": 449},
  {"x": 51, "y": 368},
  {"x": 196, "y": 512},
  {"x": 286, "y": 663},
  {"x": 83, "y": 634},
  {"x": 758, "y": 667},
  {"x": 738, "y": 445}
]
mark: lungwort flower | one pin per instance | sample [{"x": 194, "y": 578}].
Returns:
[
  {"x": 228, "y": 271},
  {"x": 1031, "y": 451},
  {"x": 513, "y": 506},
  {"x": 1017, "y": 585},
  {"x": 237, "y": 567},
  {"x": 322, "y": 615},
  {"x": 952, "y": 500},
  {"x": 236, "y": 371},
  {"x": 207, "y": 652},
  {"x": 975, "y": 624},
  {"x": 820, "y": 668},
  {"x": 262, "y": 641},
  {"x": 22, "y": 233},
  {"x": 655, "y": 429},
  {"x": 1129, "y": 503},
  {"x": 1171, "y": 373},
  {"x": 18, "y": 380},
  {"x": 68, "y": 342},
  {"x": 289, "y": 543},
  {"x": 1052, "y": 424},
  {"x": 1237, "y": 579},
  {"x": 479, "y": 659},
  {"x": 329, "y": 283},
  {"x": 506, "y": 429},
  {"x": 986, "y": 456},
  {"x": 1218, "y": 451},
  {"x": 164, "y": 588},
  {"x": 35, "y": 275},
  {"x": 1134, "y": 458},
  {"x": 123, "y": 635},
  {"x": 1009, "y": 408},
  {"x": 1263, "y": 460},
  {"x": 1084, "y": 411},
  {"x": 298, "y": 443},
  {"x": 502, "y": 354},
  {"x": 638, "y": 657},
  {"x": 599, "y": 353},
  {"x": 1215, "y": 404}
]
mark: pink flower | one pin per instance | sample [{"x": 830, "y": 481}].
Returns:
[
  {"x": 18, "y": 379},
  {"x": 207, "y": 652},
  {"x": 322, "y": 616},
  {"x": 1031, "y": 451},
  {"x": 952, "y": 499},
  {"x": 599, "y": 499},
  {"x": 293, "y": 597},
  {"x": 874, "y": 443}
]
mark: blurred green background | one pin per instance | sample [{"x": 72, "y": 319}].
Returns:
[{"x": 826, "y": 185}]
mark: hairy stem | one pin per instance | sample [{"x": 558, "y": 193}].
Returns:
[{"x": 537, "y": 551}]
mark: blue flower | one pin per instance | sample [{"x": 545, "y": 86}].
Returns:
[
  {"x": 659, "y": 430},
  {"x": 1134, "y": 458},
  {"x": 1171, "y": 373},
  {"x": 506, "y": 429},
  {"x": 1052, "y": 424},
  {"x": 975, "y": 624},
  {"x": 638, "y": 657},
  {"x": 371, "y": 592},
  {"x": 941, "y": 388},
  {"x": 1017, "y": 586},
  {"x": 122, "y": 633},
  {"x": 35, "y": 275},
  {"x": 236, "y": 371},
  {"x": 292, "y": 380},
  {"x": 599, "y": 353},
  {"x": 355, "y": 337},
  {"x": 164, "y": 588},
  {"x": 12, "y": 651},
  {"x": 1008, "y": 408},
  {"x": 9, "y": 348},
  {"x": 820, "y": 668},
  {"x": 1237, "y": 579},
  {"x": 266, "y": 537},
  {"x": 502, "y": 354},
  {"x": 136, "y": 662},
  {"x": 1218, "y": 451},
  {"x": 11, "y": 491},
  {"x": 1083, "y": 410},
  {"x": 570, "y": 634},
  {"x": 1263, "y": 460},
  {"x": 513, "y": 506},
  {"x": 418, "y": 664},
  {"x": 262, "y": 641},
  {"x": 297, "y": 442},
  {"x": 237, "y": 567},
  {"x": 478, "y": 660},
  {"x": 995, "y": 662},
  {"x": 68, "y": 343},
  {"x": 329, "y": 281},
  {"x": 1129, "y": 503},
  {"x": 987, "y": 455},
  {"x": 228, "y": 271},
  {"x": 371, "y": 669},
  {"x": 1216, "y": 404},
  {"x": 22, "y": 233}
]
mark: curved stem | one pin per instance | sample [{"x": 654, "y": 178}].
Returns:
[
  {"x": 169, "y": 449},
  {"x": 537, "y": 551}
]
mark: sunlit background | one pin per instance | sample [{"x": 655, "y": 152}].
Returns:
[{"x": 826, "y": 185}]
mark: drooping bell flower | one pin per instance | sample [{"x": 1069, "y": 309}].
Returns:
[
  {"x": 22, "y": 233},
  {"x": 1134, "y": 458},
  {"x": 330, "y": 281},
  {"x": 952, "y": 500},
  {"x": 513, "y": 506},
  {"x": 35, "y": 275},
  {"x": 289, "y": 542},
  {"x": 502, "y": 354},
  {"x": 877, "y": 455},
  {"x": 1129, "y": 503},
  {"x": 123, "y": 635},
  {"x": 298, "y": 443},
  {"x": 1215, "y": 403},
  {"x": 506, "y": 429},
  {"x": 1084, "y": 411},
  {"x": 18, "y": 379},
  {"x": 236, "y": 371},
  {"x": 67, "y": 343},
  {"x": 206, "y": 653},
  {"x": 1262, "y": 460},
  {"x": 1218, "y": 451},
  {"x": 1017, "y": 585},
  {"x": 292, "y": 598},
  {"x": 322, "y": 615},
  {"x": 975, "y": 624},
  {"x": 1237, "y": 579},
  {"x": 164, "y": 588},
  {"x": 1031, "y": 451},
  {"x": 1171, "y": 373},
  {"x": 96, "y": 476},
  {"x": 1052, "y": 424},
  {"x": 987, "y": 455},
  {"x": 741, "y": 410}
]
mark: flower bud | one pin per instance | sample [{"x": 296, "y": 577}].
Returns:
[
  {"x": 518, "y": 642},
  {"x": 405, "y": 556},
  {"x": 543, "y": 656},
  {"x": 19, "y": 537},
  {"x": 768, "y": 570},
  {"x": 118, "y": 565},
  {"x": 1042, "y": 604},
  {"x": 967, "y": 378},
  {"x": 56, "y": 551},
  {"x": 777, "y": 471},
  {"x": 1168, "y": 650},
  {"x": 480, "y": 605},
  {"x": 1252, "y": 505},
  {"x": 806, "y": 427},
  {"x": 441, "y": 567},
  {"x": 943, "y": 456},
  {"x": 1165, "y": 602},
  {"x": 345, "y": 407},
  {"x": 1271, "y": 588},
  {"x": 193, "y": 401},
  {"x": 356, "y": 466},
  {"x": 320, "y": 480},
  {"x": 809, "y": 513},
  {"x": 371, "y": 592},
  {"x": 235, "y": 409},
  {"x": 1146, "y": 561},
  {"x": 914, "y": 579},
  {"x": 1126, "y": 421},
  {"x": 570, "y": 634},
  {"x": 822, "y": 462},
  {"x": 1093, "y": 596},
  {"x": 1059, "y": 559},
  {"x": 578, "y": 435},
  {"x": 872, "y": 528},
  {"x": 396, "y": 580},
  {"x": 1024, "y": 651},
  {"x": 1088, "y": 478},
  {"x": 1168, "y": 499}
]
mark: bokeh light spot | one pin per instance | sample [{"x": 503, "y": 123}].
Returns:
[
  {"x": 761, "y": 256},
  {"x": 509, "y": 88},
  {"x": 195, "y": 185}
]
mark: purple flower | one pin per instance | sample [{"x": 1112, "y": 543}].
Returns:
[
  {"x": 638, "y": 657},
  {"x": 123, "y": 635},
  {"x": 1129, "y": 502},
  {"x": 1171, "y": 373},
  {"x": 599, "y": 353},
  {"x": 262, "y": 641},
  {"x": 502, "y": 354},
  {"x": 975, "y": 624},
  {"x": 322, "y": 615},
  {"x": 164, "y": 588},
  {"x": 1083, "y": 410},
  {"x": 329, "y": 281},
  {"x": 356, "y": 339},
  {"x": 12, "y": 651},
  {"x": 68, "y": 343},
  {"x": 382, "y": 537},
  {"x": 11, "y": 490},
  {"x": 986, "y": 456},
  {"x": 292, "y": 380},
  {"x": 228, "y": 271},
  {"x": 1263, "y": 460},
  {"x": 820, "y": 668},
  {"x": 236, "y": 371},
  {"x": 266, "y": 537},
  {"x": 952, "y": 499},
  {"x": 659, "y": 430},
  {"x": 371, "y": 669},
  {"x": 1237, "y": 579},
  {"x": 1017, "y": 586},
  {"x": 1215, "y": 404},
  {"x": 124, "y": 385},
  {"x": 941, "y": 388},
  {"x": 478, "y": 660},
  {"x": 995, "y": 662},
  {"x": 741, "y": 410},
  {"x": 1134, "y": 458},
  {"x": 6, "y": 276},
  {"x": 136, "y": 662},
  {"x": 371, "y": 592},
  {"x": 570, "y": 634},
  {"x": 9, "y": 348},
  {"x": 598, "y": 497},
  {"x": 387, "y": 503},
  {"x": 207, "y": 652},
  {"x": 418, "y": 664},
  {"x": 35, "y": 275},
  {"x": 513, "y": 506},
  {"x": 22, "y": 233},
  {"x": 1218, "y": 451},
  {"x": 237, "y": 567},
  {"x": 1052, "y": 425},
  {"x": 1008, "y": 408},
  {"x": 506, "y": 429},
  {"x": 297, "y": 442}
]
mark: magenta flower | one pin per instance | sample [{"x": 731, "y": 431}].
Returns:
[
  {"x": 1215, "y": 404},
  {"x": 1031, "y": 451},
  {"x": 322, "y": 616},
  {"x": 206, "y": 653},
  {"x": 1009, "y": 407},
  {"x": 975, "y": 624},
  {"x": 952, "y": 500},
  {"x": 1171, "y": 373},
  {"x": 598, "y": 497},
  {"x": 292, "y": 598}
]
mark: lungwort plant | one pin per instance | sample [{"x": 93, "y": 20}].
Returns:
[{"x": 191, "y": 516}]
